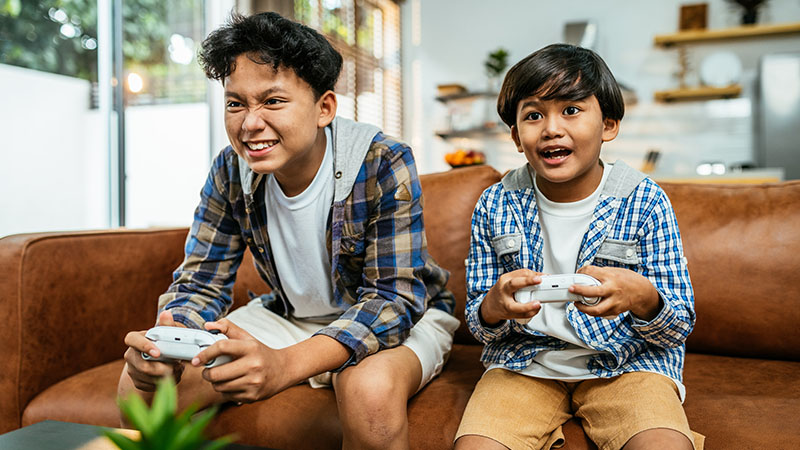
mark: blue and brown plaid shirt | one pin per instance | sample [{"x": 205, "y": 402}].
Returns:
[
  {"x": 383, "y": 278},
  {"x": 633, "y": 227}
]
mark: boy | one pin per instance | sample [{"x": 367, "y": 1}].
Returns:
[
  {"x": 617, "y": 365},
  {"x": 332, "y": 212}
]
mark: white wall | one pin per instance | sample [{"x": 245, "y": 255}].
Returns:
[
  {"x": 51, "y": 172},
  {"x": 54, "y": 170},
  {"x": 455, "y": 37}
]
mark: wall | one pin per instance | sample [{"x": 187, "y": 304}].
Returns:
[
  {"x": 54, "y": 173},
  {"x": 447, "y": 42}
]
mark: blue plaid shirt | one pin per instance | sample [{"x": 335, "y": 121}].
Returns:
[
  {"x": 382, "y": 275},
  {"x": 633, "y": 227}
]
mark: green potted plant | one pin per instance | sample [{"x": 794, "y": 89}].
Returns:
[
  {"x": 161, "y": 428},
  {"x": 496, "y": 64}
]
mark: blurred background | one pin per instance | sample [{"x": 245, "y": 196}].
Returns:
[{"x": 106, "y": 119}]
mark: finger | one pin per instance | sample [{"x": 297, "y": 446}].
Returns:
[
  {"x": 594, "y": 271},
  {"x": 516, "y": 283},
  {"x": 229, "y": 329},
  {"x": 523, "y": 310},
  {"x": 233, "y": 348},
  {"x": 137, "y": 341},
  {"x": 588, "y": 291}
]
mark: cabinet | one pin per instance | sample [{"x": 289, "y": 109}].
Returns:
[
  {"x": 680, "y": 39},
  {"x": 471, "y": 115}
]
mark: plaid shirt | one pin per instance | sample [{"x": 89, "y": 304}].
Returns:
[
  {"x": 382, "y": 275},
  {"x": 633, "y": 227}
]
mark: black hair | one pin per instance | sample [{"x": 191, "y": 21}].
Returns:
[
  {"x": 564, "y": 72},
  {"x": 269, "y": 38}
]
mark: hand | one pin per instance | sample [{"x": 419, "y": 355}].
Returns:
[
  {"x": 256, "y": 371},
  {"x": 145, "y": 374},
  {"x": 621, "y": 290},
  {"x": 499, "y": 303}
]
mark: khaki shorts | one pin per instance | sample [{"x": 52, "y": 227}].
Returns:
[
  {"x": 523, "y": 412},
  {"x": 431, "y": 339}
]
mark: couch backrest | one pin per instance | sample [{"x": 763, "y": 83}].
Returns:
[
  {"x": 743, "y": 247},
  {"x": 450, "y": 198}
]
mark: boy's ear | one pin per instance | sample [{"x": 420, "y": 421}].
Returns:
[
  {"x": 515, "y": 137},
  {"x": 610, "y": 129},
  {"x": 327, "y": 109}
]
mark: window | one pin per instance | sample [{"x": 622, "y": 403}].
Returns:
[{"x": 367, "y": 34}]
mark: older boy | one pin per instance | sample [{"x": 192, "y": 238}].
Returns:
[
  {"x": 617, "y": 365},
  {"x": 331, "y": 211}
]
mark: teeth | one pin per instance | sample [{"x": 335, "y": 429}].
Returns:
[
  {"x": 560, "y": 153},
  {"x": 261, "y": 145}
]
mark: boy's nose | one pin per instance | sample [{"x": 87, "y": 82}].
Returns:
[
  {"x": 253, "y": 122},
  {"x": 553, "y": 127}
]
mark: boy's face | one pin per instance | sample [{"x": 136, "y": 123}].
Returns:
[
  {"x": 274, "y": 122},
  {"x": 561, "y": 140}
]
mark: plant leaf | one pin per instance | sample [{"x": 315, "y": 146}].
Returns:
[
  {"x": 165, "y": 402},
  {"x": 219, "y": 443},
  {"x": 134, "y": 408},
  {"x": 123, "y": 442}
]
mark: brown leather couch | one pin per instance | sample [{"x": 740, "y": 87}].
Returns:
[{"x": 67, "y": 299}]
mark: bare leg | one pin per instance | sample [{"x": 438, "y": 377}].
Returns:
[
  {"x": 475, "y": 442},
  {"x": 658, "y": 439},
  {"x": 192, "y": 388},
  {"x": 373, "y": 397}
]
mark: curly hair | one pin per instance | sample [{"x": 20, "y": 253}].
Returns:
[
  {"x": 564, "y": 72},
  {"x": 269, "y": 38}
]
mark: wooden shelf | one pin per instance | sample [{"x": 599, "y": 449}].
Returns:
[
  {"x": 744, "y": 31},
  {"x": 465, "y": 96},
  {"x": 698, "y": 93},
  {"x": 475, "y": 133}
]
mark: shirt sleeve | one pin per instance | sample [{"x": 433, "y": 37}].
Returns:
[
  {"x": 393, "y": 292},
  {"x": 664, "y": 264},
  {"x": 202, "y": 285},
  {"x": 483, "y": 271}
]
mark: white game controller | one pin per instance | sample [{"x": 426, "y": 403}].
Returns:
[
  {"x": 184, "y": 344},
  {"x": 555, "y": 288}
]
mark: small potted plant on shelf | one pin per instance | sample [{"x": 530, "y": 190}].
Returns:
[
  {"x": 462, "y": 158},
  {"x": 496, "y": 64},
  {"x": 161, "y": 428}
]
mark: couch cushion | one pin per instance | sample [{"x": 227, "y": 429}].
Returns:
[
  {"x": 297, "y": 418},
  {"x": 450, "y": 198},
  {"x": 742, "y": 243},
  {"x": 743, "y": 403}
]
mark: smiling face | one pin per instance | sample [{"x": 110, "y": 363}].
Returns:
[
  {"x": 275, "y": 123},
  {"x": 561, "y": 140}
]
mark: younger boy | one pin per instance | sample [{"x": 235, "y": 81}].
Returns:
[
  {"x": 332, "y": 212},
  {"x": 617, "y": 365}
]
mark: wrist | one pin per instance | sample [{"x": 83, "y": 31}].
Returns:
[
  {"x": 650, "y": 306},
  {"x": 486, "y": 317}
]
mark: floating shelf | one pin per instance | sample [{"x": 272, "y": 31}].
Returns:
[
  {"x": 698, "y": 93},
  {"x": 475, "y": 133},
  {"x": 745, "y": 31},
  {"x": 465, "y": 96}
]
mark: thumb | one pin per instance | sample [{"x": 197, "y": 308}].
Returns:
[
  {"x": 165, "y": 319},
  {"x": 229, "y": 329}
]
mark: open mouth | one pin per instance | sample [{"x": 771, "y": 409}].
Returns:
[
  {"x": 556, "y": 154},
  {"x": 258, "y": 148}
]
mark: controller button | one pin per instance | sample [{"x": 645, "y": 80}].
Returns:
[{"x": 214, "y": 331}]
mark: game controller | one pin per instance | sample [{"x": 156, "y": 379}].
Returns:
[
  {"x": 184, "y": 344},
  {"x": 555, "y": 288}
]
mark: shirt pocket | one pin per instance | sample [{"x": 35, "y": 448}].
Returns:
[
  {"x": 620, "y": 252},
  {"x": 507, "y": 248},
  {"x": 351, "y": 259}
]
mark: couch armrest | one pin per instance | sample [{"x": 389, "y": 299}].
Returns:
[{"x": 67, "y": 300}]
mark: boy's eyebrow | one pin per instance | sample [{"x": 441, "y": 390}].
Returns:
[{"x": 261, "y": 95}]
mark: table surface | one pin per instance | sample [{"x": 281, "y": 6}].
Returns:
[{"x": 55, "y": 435}]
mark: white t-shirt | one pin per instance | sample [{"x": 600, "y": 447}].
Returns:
[
  {"x": 563, "y": 226},
  {"x": 297, "y": 235}
]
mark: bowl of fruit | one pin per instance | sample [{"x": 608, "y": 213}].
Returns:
[{"x": 463, "y": 158}]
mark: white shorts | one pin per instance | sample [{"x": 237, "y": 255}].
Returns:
[{"x": 430, "y": 339}]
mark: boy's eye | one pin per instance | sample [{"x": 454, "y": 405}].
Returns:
[
  {"x": 571, "y": 110},
  {"x": 232, "y": 104},
  {"x": 533, "y": 116},
  {"x": 273, "y": 101}
]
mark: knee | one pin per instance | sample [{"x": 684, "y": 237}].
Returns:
[
  {"x": 371, "y": 405},
  {"x": 659, "y": 438}
]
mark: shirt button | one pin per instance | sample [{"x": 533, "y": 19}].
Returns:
[
  {"x": 261, "y": 249},
  {"x": 511, "y": 243},
  {"x": 640, "y": 232},
  {"x": 601, "y": 224},
  {"x": 338, "y": 174},
  {"x": 249, "y": 240},
  {"x": 247, "y": 210},
  {"x": 352, "y": 249},
  {"x": 629, "y": 252}
]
